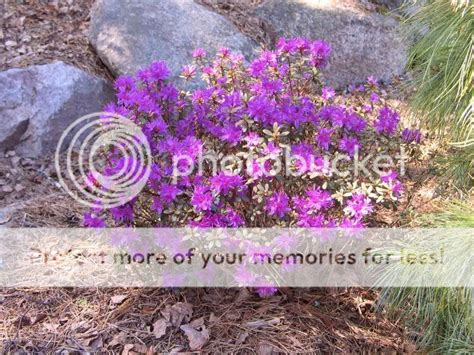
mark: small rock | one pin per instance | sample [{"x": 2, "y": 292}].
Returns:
[
  {"x": 10, "y": 43},
  {"x": 7, "y": 189},
  {"x": 37, "y": 103},
  {"x": 19, "y": 187},
  {"x": 5, "y": 217},
  {"x": 26, "y": 38}
]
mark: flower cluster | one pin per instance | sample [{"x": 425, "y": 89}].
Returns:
[{"x": 274, "y": 104}]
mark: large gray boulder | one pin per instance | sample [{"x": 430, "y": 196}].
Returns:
[
  {"x": 129, "y": 35},
  {"x": 38, "y": 103},
  {"x": 363, "y": 43}
]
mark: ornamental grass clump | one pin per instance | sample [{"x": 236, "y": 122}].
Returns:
[
  {"x": 260, "y": 144},
  {"x": 442, "y": 72}
]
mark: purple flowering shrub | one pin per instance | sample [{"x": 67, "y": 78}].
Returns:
[{"x": 275, "y": 107}]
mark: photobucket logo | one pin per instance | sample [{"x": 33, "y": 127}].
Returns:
[
  {"x": 289, "y": 164},
  {"x": 88, "y": 175}
]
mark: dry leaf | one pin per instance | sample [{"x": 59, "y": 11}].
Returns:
[
  {"x": 178, "y": 313},
  {"x": 243, "y": 295},
  {"x": 197, "y": 338},
  {"x": 119, "y": 338},
  {"x": 127, "y": 348},
  {"x": 213, "y": 318},
  {"x": 265, "y": 349},
  {"x": 97, "y": 344},
  {"x": 38, "y": 318},
  {"x": 160, "y": 327},
  {"x": 197, "y": 323},
  {"x": 51, "y": 327},
  {"x": 261, "y": 323},
  {"x": 242, "y": 338},
  {"x": 176, "y": 350},
  {"x": 118, "y": 299},
  {"x": 139, "y": 349},
  {"x": 22, "y": 321}
]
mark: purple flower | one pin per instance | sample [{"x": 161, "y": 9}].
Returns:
[
  {"x": 124, "y": 83},
  {"x": 188, "y": 71},
  {"x": 354, "y": 122},
  {"x": 358, "y": 206},
  {"x": 287, "y": 46},
  {"x": 93, "y": 221},
  {"x": 393, "y": 184},
  {"x": 157, "y": 126},
  {"x": 157, "y": 206},
  {"x": 301, "y": 156},
  {"x": 202, "y": 198},
  {"x": 412, "y": 135},
  {"x": 232, "y": 218},
  {"x": 367, "y": 108},
  {"x": 168, "y": 192},
  {"x": 224, "y": 52},
  {"x": 351, "y": 223},
  {"x": 372, "y": 80},
  {"x": 397, "y": 189},
  {"x": 277, "y": 204},
  {"x": 230, "y": 134},
  {"x": 253, "y": 139},
  {"x": 374, "y": 98},
  {"x": 323, "y": 138},
  {"x": 389, "y": 177},
  {"x": 319, "y": 53},
  {"x": 157, "y": 72},
  {"x": 334, "y": 114},
  {"x": 259, "y": 66},
  {"x": 223, "y": 184},
  {"x": 310, "y": 221},
  {"x": 387, "y": 121},
  {"x": 123, "y": 213},
  {"x": 272, "y": 150},
  {"x": 318, "y": 199},
  {"x": 199, "y": 53},
  {"x": 328, "y": 93},
  {"x": 266, "y": 291},
  {"x": 349, "y": 145},
  {"x": 262, "y": 110}
]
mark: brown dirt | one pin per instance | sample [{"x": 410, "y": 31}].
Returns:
[
  {"x": 39, "y": 32},
  {"x": 31, "y": 196},
  {"x": 296, "y": 320}
]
